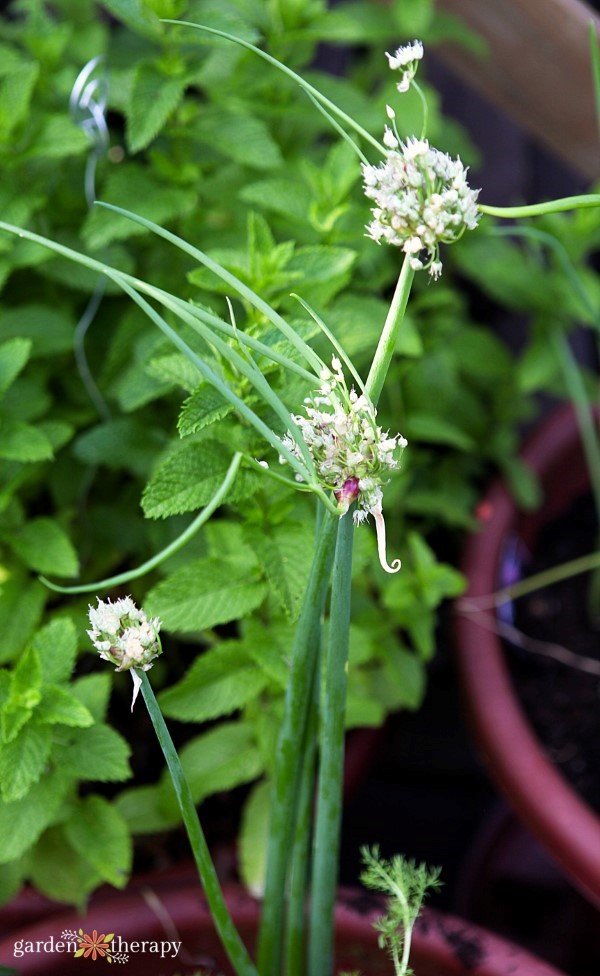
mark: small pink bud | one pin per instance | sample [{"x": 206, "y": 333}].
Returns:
[{"x": 348, "y": 493}]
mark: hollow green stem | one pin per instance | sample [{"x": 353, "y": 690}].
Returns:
[
  {"x": 424, "y": 105},
  {"x": 387, "y": 341},
  {"x": 563, "y": 259},
  {"x": 331, "y": 760},
  {"x": 299, "y": 869},
  {"x": 288, "y": 761},
  {"x": 331, "y": 106},
  {"x": 227, "y": 931},
  {"x": 550, "y": 206},
  {"x": 574, "y": 567},
  {"x": 173, "y": 547},
  {"x": 583, "y": 409}
]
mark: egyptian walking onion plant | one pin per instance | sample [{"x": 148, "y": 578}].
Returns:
[{"x": 334, "y": 448}]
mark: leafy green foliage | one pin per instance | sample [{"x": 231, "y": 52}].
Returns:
[
  {"x": 49, "y": 741},
  {"x": 188, "y": 478},
  {"x": 235, "y": 159},
  {"x": 99, "y": 835},
  {"x": 219, "y": 682},
  {"x": 225, "y": 756},
  {"x": 254, "y": 834},
  {"x": 44, "y": 547},
  {"x": 205, "y": 593}
]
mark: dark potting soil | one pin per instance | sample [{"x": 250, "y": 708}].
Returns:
[{"x": 561, "y": 700}]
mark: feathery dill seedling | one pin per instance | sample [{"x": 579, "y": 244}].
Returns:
[{"x": 405, "y": 883}]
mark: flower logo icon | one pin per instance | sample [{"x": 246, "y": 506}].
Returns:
[{"x": 94, "y": 946}]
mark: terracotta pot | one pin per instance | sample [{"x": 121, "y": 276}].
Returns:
[
  {"x": 545, "y": 801},
  {"x": 442, "y": 946}
]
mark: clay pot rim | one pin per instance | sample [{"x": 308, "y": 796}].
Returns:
[
  {"x": 541, "y": 796},
  {"x": 458, "y": 947}
]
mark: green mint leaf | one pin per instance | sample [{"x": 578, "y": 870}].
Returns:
[
  {"x": 24, "y": 694},
  {"x": 221, "y": 759},
  {"x": 58, "y": 138},
  {"x": 14, "y": 353},
  {"x": 205, "y": 593},
  {"x": 243, "y": 138},
  {"x": 124, "y": 443},
  {"x": 143, "y": 808},
  {"x": 322, "y": 271},
  {"x": 99, "y": 834},
  {"x": 60, "y": 872},
  {"x": 158, "y": 201},
  {"x": 46, "y": 548},
  {"x": 22, "y": 761},
  {"x": 22, "y": 822},
  {"x": 23, "y": 442},
  {"x": 220, "y": 681},
  {"x": 56, "y": 645},
  {"x": 59, "y": 707},
  {"x": 93, "y": 691},
  {"x": 12, "y": 877},
  {"x": 16, "y": 89},
  {"x": 283, "y": 196},
  {"x": 175, "y": 368},
  {"x": 21, "y": 604},
  {"x": 136, "y": 15},
  {"x": 189, "y": 477},
  {"x": 98, "y": 753},
  {"x": 154, "y": 97},
  {"x": 286, "y": 555},
  {"x": 253, "y": 839},
  {"x": 204, "y": 407},
  {"x": 49, "y": 330}
]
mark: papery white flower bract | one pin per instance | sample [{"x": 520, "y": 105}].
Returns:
[
  {"x": 124, "y": 636},
  {"x": 422, "y": 199},
  {"x": 406, "y": 60},
  {"x": 352, "y": 455}
]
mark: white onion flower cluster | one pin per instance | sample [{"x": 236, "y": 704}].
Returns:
[
  {"x": 422, "y": 199},
  {"x": 406, "y": 60},
  {"x": 421, "y": 195},
  {"x": 352, "y": 455},
  {"x": 124, "y": 636}
]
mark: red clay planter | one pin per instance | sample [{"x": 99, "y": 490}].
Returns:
[
  {"x": 544, "y": 800},
  {"x": 443, "y": 946}
]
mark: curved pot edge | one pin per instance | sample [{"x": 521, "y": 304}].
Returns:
[
  {"x": 442, "y": 944},
  {"x": 565, "y": 824}
]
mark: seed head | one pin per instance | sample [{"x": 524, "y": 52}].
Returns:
[
  {"x": 124, "y": 636},
  {"x": 422, "y": 199}
]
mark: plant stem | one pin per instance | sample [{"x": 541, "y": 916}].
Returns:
[
  {"x": 228, "y": 934},
  {"x": 387, "y": 340},
  {"x": 550, "y": 206},
  {"x": 331, "y": 106},
  {"x": 589, "y": 440},
  {"x": 583, "y": 409},
  {"x": 173, "y": 547},
  {"x": 331, "y": 760},
  {"x": 288, "y": 757},
  {"x": 299, "y": 871},
  {"x": 583, "y": 564}
]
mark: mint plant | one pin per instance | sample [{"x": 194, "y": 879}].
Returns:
[
  {"x": 246, "y": 170},
  {"x": 338, "y": 454},
  {"x": 54, "y": 736}
]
